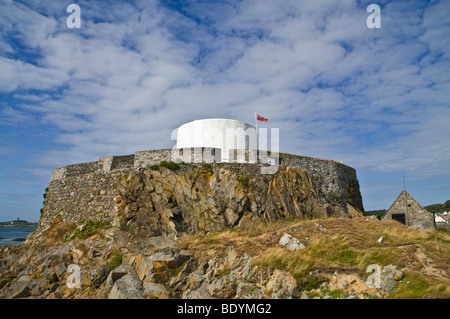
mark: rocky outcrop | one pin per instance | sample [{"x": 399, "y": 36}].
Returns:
[
  {"x": 109, "y": 229},
  {"x": 150, "y": 268},
  {"x": 194, "y": 198},
  {"x": 115, "y": 264}
]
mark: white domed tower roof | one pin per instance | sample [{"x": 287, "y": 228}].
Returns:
[{"x": 225, "y": 134}]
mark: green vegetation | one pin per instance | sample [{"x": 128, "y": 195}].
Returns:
[
  {"x": 86, "y": 230},
  {"x": 51, "y": 279},
  {"x": 170, "y": 165},
  {"x": 348, "y": 244},
  {"x": 415, "y": 285},
  {"x": 243, "y": 181},
  {"x": 177, "y": 270},
  {"x": 335, "y": 196},
  {"x": 352, "y": 185},
  {"x": 18, "y": 222},
  {"x": 115, "y": 261},
  {"x": 207, "y": 167},
  {"x": 377, "y": 213},
  {"x": 309, "y": 282},
  {"x": 45, "y": 198},
  {"x": 223, "y": 272},
  {"x": 439, "y": 208},
  {"x": 166, "y": 164}
]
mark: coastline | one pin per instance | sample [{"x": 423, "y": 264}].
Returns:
[
  {"x": 4, "y": 224},
  {"x": 15, "y": 234}
]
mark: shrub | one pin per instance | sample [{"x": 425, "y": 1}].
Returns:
[
  {"x": 51, "y": 279},
  {"x": 115, "y": 261},
  {"x": 86, "y": 230},
  {"x": 310, "y": 282},
  {"x": 170, "y": 165},
  {"x": 207, "y": 167},
  {"x": 154, "y": 167},
  {"x": 243, "y": 181}
]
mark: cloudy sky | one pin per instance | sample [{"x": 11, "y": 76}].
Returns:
[{"x": 375, "y": 99}]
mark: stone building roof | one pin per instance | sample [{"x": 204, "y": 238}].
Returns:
[{"x": 408, "y": 211}]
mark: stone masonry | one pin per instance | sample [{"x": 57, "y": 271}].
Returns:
[{"x": 88, "y": 191}]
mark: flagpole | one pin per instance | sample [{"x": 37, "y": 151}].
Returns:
[{"x": 256, "y": 125}]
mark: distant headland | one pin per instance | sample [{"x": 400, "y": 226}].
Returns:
[{"x": 18, "y": 223}]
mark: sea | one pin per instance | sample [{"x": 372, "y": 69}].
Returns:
[{"x": 14, "y": 235}]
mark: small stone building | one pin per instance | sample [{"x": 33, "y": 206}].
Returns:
[{"x": 408, "y": 211}]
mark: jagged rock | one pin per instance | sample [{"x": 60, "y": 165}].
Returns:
[
  {"x": 38, "y": 287},
  {"x": 154, "y": 290},
  {"x": 99, "y": 274},
  {"x": 282, "y": 285},
  {"x": 60, "y": 270},
  {"x": 155, "y": 268},
  {"x": 249, "y": 291},
  {"x": 388, "y": 277},
  {"x": 291, "y": 242},
  {"x": 222, "y": 288},
  {"x": 117, "y": 236},
  {"x": 158, "y": 242},
  {"x": 127, "y": 287},
  {"x": 118, "y": 273}
]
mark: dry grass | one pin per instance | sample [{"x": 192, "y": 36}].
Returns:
[{"x": 340, "y": 243}]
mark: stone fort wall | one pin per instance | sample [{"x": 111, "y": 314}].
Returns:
[{"x": 86, "y": 191}]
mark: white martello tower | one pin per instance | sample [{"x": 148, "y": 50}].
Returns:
[{"x": 224, "y": 134}]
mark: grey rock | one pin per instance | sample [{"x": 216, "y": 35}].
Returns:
[
  {"x": 118, "y": 273},
  {"x": 291, "y": 242},
  {"x": 156, "y": 290},
  {"x": 99, "y": 274},
  {"x": 20, "y": 289},
  {"x": 127, "y": 287},
  {"x": 249, "y": 291},
  {"x": 60, "y": 270},
  {"x": 38, "y": 287},
  {"x": 388, "y": 277},
  {"x": 282, "y": 285},
  {"x": 160, "y": 242}
]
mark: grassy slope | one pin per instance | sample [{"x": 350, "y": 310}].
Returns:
[{"x": 345, "y": 245}]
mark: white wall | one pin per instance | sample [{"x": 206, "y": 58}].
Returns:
[{"x": 218, "y": 133}]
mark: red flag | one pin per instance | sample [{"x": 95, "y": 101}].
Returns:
[{"x": 260, "y": 118}]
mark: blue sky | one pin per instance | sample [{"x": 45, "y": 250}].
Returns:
[{"x": 375, "y": 99}]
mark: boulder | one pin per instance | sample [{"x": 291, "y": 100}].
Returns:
[
  {"x": 282, "y": 285},
  {"x": 249, "y": 291},
  {"x": 154, "y": 290},
  {"x": 99, "y": 274},
  {"x": 127, "y": 287},
  {"x": 118, "y": 273},
  {"x": 20, "y": 289},
  {"x": 291, "y": 243},
  {"x": 389, "y": 277}
]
